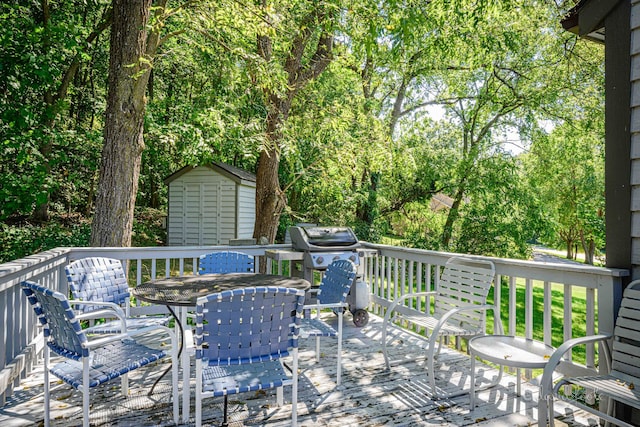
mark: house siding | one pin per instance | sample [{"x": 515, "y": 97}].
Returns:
[{"x": 635, "y": 137}]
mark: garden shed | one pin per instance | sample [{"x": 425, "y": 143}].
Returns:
[{"x": 211, "y": 204}]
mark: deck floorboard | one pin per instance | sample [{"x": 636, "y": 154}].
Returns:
[{"x": 369, "y": 395}]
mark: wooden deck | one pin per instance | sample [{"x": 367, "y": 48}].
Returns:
[{"x": 369, "y": 395}]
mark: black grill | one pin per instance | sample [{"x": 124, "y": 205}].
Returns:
[{"x": 314, "y": 239}]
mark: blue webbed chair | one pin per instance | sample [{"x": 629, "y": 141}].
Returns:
[
  {"x": 100, "y": 282},
  {"x": 226, "y": 262},
  {"x": 241, "y": 337},
  {"x": 89, "y": 363},
  {"x": 331, "y": 294}
]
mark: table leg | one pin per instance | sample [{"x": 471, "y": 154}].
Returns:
[
  {"x": 518, "y": 382},
  {"x": 472, "y": 389}
]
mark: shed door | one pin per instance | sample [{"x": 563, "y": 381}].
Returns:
[{"x": 201, "y": 210}]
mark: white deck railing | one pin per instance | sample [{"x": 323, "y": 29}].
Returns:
[{"x": 392, "y": 272}]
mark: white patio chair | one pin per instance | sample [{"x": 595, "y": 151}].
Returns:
[
  {"x": 331, "y": 294},
  {"x": 90, "y": 363},
  {"x": 459, "y": 310},
  {"x": 226, "y": 262},
  {"x": 100, "y": 282},
  {"x": 241, "y": 337}
]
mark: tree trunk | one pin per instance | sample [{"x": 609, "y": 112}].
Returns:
[
  {"x": 569, "y": 249},
  {"x": 447, "y": 231},
  {"x": 270, "y": 199},
  {"x": 589, "y": 248},
  {"x": 123, "y": 131}
]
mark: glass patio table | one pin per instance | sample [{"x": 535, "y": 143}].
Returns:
[{"x": 182, "y": 293}]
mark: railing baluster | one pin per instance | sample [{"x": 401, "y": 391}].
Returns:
[
  {"x": 591, "y": 326},
  {"x": 391, "y": 273},
  {"x": 567, "y": 320},
  {"x": 497, "y": 299},
  {"x": 513, "y": 315},
  {"x": 547, "y": 315},
  {"x": 528, "y": 321}
]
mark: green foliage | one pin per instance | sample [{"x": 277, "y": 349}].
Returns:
[
  {"x": 360, "y": 146},
  {"x": 420, "y": 226},
  {"x": 20, "y": 240},
  {"x": 23, "y": 239},
  {"x": 48, "y": 146},
  {"x": 149, "y": 228},
  {"x": 566, "y": 170}
]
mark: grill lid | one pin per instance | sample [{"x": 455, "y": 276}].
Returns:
[{"x": 323, "y": 238}]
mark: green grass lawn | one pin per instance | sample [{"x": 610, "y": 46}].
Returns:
[{"x": 578, "y": 305}]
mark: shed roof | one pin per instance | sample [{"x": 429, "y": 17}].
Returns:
[{"x": 238, "y": 175}]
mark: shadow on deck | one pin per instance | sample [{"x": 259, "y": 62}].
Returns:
[{"x": 369, "y": 395}]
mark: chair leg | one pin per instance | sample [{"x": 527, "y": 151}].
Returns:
[
  {"x": 383, "y": 339},
  {"x": 174, "y": 384},
  {"x": 124, "y": 385},
  {"x": 551, "y": 414},
  {"x": 294, "y": 389},
  {"x": 431, "y": 354},
  {"x": 85, "y": 391},
  {"x": 198, "y": 393},
  {"x": 280, "y": 396},
  {"x": 339, "y": 369},
  {"x": 318, "y": 348},
  {"x": 439, "y": 346},
  {"x": 543, "y": 412},
  {"x": 47, "y": 388},
  {"x": 225, "y": 412}
]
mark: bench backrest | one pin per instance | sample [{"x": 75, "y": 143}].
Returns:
[{"x": 625, "y": 356}]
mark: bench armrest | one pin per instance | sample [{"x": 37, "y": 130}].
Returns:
[{"x": 546, "y": 383}]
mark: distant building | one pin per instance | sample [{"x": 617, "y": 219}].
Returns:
[
  {"x": 210, "y": 205},
  {"x": 440, "y": 201}
]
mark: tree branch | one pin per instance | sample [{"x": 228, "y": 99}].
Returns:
[{"x": 75, "y": 64}]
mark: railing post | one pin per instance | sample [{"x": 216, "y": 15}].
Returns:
[{"x": 609, "y": 298}]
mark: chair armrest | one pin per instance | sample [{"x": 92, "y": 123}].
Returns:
[
  {"x": 97, "y": 314},
  {"x": 321, "y": 306},
  {"x": 546, "y": 383},
  {"x": 107, "y": 305},
  {"x": 484, "y": 307},
  {"x": 109, "y": 310},
  {"x": 130, "y": 334},
  {"x": 401, "y": 298}
]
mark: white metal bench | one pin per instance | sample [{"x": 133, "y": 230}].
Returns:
[{"x": 621, "y": 383}]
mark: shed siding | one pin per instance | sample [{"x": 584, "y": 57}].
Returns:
[
  {"x": 246, "y": 211},
  {"x": 204, "y": 209},
  {"x": 635, "y": 137}
]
